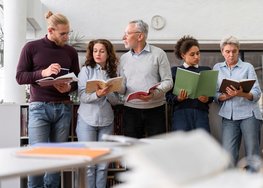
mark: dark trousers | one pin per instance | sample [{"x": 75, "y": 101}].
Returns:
[
  {"x": 140, "y": 123},
  {"x": 190, "y": 119}
]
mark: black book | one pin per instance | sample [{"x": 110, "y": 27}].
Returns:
[{"x": 246, "y": 84}]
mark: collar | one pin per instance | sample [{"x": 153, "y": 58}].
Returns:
[
  {"x": 145, "y": 49},
  {"x": 238, "y": 64},
  {"x": 98, "y": 67},
  {"x": 187, "y": 66},
  {"x": 52, "y": 43}
]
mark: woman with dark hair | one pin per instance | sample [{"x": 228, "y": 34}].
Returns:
[
  {"x": 188, "y": 114},
  {"x": 95, "y": 114}
]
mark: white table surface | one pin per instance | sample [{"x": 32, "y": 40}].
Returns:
[{"x": 13, "y": 166}]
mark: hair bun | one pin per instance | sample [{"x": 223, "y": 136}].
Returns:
[{"x": 48, "y": 14}]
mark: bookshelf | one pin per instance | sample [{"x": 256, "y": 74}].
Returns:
[{"x": 68, "y": 176}]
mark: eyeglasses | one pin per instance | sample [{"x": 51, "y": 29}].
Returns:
[
  {"x": 129, "y": 33},
  {"x": 63, "y": 33}
]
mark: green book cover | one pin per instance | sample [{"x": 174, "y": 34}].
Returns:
[{"x": 196, "y": 84}]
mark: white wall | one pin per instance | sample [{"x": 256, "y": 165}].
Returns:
[
  {"x": 9, "y": 135},
  {"x": 36, "y": 26},
  {"x": 207, "y": 20}
]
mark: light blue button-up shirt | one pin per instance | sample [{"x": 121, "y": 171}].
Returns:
[
  {"x": 94, "y": 110},
  {"x": 238, "y": 108}
]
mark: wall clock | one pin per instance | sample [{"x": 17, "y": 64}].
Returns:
[{"x": 158, "y": 22}]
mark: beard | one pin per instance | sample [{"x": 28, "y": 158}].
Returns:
[
  {"x": 127, "y": 45},
  {"x": 60, "y": 42}
]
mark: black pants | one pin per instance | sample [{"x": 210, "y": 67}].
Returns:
[{"x": 140, "y": 123}]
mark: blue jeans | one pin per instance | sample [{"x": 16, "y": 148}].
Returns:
[
  {"x": 48, "y": 122},
  {"x": 232, "y": 133},
  {"x": 190, "y": 119},
  {"x": 97, "y": 174}
]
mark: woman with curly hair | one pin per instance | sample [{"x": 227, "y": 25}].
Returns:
[
  {"x": 95, "y": 114},
  {"x": 188, "y": 114}
]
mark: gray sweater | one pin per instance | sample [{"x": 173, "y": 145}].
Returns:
[{"x": 142, "y": 71}]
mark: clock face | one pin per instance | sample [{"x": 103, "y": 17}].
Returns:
[{"x": 157, "y": 22}]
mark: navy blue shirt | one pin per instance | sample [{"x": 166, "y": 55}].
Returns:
[{"x": 188, "y": 103}]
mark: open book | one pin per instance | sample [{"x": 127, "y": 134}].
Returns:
[
  {"x": 184, "y": 160},
  {"x": 62, "y": 151},
  {"x": 114, "y": 83},
  {"x": 246, "y": 84},
  {"x": 135, "y": 95},
  {"x": 196, "y": 84},
  {"x": 49, "y": 81}
]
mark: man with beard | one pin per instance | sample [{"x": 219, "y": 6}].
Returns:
[{"x": 49, "y": 108}]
